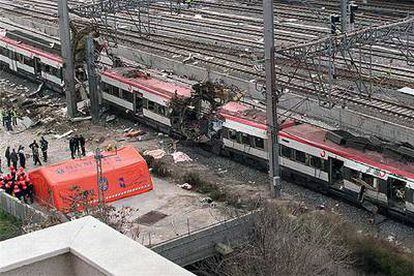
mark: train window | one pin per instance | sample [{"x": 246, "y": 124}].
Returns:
[
  {"x": 4, "y": 51},
  {"x": 258, "y": 143},
  {"x": 24, "y": 60},
  {"x": 315, "y": 162},
  {"x": 325, "y": 165},
  {"x": 19, "y": 57},
  {"x": 410, "y": 195},
  {"x": 52, "y": 70},
  {"x": 114, "y": 91},
  {"x": 300, "y": 156},
  {"x": 105, "y": 87},
  {"x": 56, "y": 72},
  {"x": 287, "y": 152},
  {"x": 245, "y": 139},
  {"x": 232, "y": 134},
  {"x": 225, "y": 133},
  {"x": 151, "y": 106},
  {"x": 128, "y": 96},
  {"x": 162, "y": 110},
  {"x": 144, "y": 103}
]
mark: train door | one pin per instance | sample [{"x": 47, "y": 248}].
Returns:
[
  {"x": 396, "y": 193},
  {"x": 138, "y": 103},
  {"x": 13, "y": 61},
  {"x": 37, "y": 68},
  {"x": 336, "y": 171}
]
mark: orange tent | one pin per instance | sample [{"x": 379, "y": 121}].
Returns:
[{"x": 125, "y": 173}]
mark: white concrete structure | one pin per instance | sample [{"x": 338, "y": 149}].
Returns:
[{"x": 82, "y": 247}]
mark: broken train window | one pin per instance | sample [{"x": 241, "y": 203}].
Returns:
[
  {"x": 232, "y": 134},
  {"x": 245, "y": 139},
  {"x": 300, "y": 156},
  {"x": 128, "y": 96},
  {"x": 258, "y": 142}
]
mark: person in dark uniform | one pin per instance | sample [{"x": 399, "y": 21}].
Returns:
[
  {"x": 44, "y": 145},
  {"x": 72, "y": 147},
  {"x": 35, "y": 151},
  {"x": 77, "y": 146},
  {"x": 14, "y": 158},
  {"x": 7, "y": 155},
  {"x": 82, "y": 144},
  {"x": 22, "y": 157}
]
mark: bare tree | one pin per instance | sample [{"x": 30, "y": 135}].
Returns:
[
  {"x": 80, "y": 203},
  {"x": 286, "y": 244}
]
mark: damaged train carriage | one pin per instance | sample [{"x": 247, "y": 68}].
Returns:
[
  {"x": 308, "y": 154},
  {"x": 365, "y": 175}
]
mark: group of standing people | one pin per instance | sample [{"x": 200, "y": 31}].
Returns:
[
  {"x": 77, "y": 146},
  {"x": 17, "y": 183},
  {"x": 9, "y": 118},
  {"x": 14, "y": 157}
]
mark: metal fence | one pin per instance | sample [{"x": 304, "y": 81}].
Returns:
[{"x": 200, "y": 244}]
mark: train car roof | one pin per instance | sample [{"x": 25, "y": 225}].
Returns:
[
  {"x": 29, "y": 48},
  {"x": 148, "y": 83},
  {"x": 315, "y": 136},
  {"x": 249, "y": 115},
  {"x": 35, "y": 41}
]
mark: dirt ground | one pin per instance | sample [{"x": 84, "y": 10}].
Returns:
[{"x": 182, "y": 211}]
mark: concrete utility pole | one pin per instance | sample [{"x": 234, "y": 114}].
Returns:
[
  {"x": 66, "y": 50},
  {"x": 92, "y": 79},
  {"x": 101, "y": 181},
  {"x": 344, "y": 15},
  {"x": 272, "y": 98}
]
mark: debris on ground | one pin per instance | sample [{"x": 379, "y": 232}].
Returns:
[
  {"x": 206, "y": 200},
  {"x": 321, "y": 207},
  {"x": 80, "y": 119},
  {"x": 181, "y": 157},
  {"x": 134, "y": 133},
  {"x": 156, "y": 154},
  {"x": 110, "y": 118},
  {"x": 66, "y": 134},
  {"x": 185, "y": 186},
  {"x": 26, "y": 122}
]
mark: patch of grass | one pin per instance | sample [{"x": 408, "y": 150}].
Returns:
[
  {"x": 9, "y": 226},
  {"x": 160, "y": 167},
  {"x": 203, "y": 186},
  {"x": 372, "y": 255},
  {"x": 377, "y": 256}
]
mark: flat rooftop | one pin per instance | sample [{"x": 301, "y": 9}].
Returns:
[{"x": 84, "y": 246}]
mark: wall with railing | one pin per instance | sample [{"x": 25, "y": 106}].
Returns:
[{"x": 19, "y": 209}]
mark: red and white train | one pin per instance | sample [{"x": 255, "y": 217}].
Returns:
[
  {"x": 367, "y": 177},
  {"x": 364, "y": 176},
  {"x": 31, "y": 56}
]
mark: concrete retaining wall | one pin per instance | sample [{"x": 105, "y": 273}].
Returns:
[
  {"x": 18, "y": 209},
  {"x": 352, "y": 120},
  {"x": 201, "y": 244}
]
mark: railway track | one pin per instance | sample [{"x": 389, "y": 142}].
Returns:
[{"x": 225, "y": 37}]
